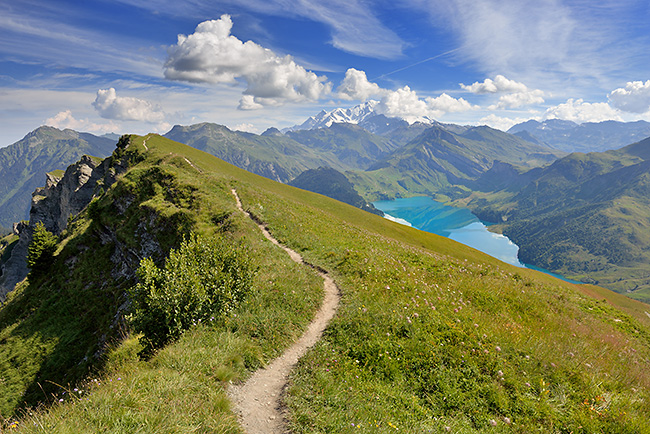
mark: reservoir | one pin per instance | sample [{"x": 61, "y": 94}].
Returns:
[{"x": 458, "y": 224}]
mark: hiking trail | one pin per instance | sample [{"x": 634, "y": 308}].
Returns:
[{"x": 257, "y": 401}]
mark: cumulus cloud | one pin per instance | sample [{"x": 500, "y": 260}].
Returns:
[
  {"x": 514, "y": 100},
  {"x": 500, "y": 123},
  {"x": 579, "y": 111},
  {"x": 518, "y": 93},
  {"x": 355, "y": 86},
  {"x": 406, "y": 103},
  {"x": 64, "y": 119},
  {"x": 111, "y": 106},
  {"x": 447, "y": 104},
  {"x": 212, "y": 55},
  {"x": 403, "y": 103},
  {"x": 500, "y": 84},
  {"x": 634, "y": 98},
  {"x": 246, "y": 127}
]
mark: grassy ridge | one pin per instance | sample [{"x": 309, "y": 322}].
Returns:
[
  {"x": 78, "y": 312},
  {"x": 501, "y": 346},
  {"x": 431, "y": 334}
]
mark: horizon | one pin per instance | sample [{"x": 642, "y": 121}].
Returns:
[{"x": 122, "y": 67}]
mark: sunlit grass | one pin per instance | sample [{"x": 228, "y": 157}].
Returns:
[{"x": 431, "y": 336}]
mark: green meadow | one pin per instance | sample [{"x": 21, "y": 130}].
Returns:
[{"x": 430, "y": 336}]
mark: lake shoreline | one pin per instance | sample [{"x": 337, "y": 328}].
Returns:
[{"x": 459, "y": 224}]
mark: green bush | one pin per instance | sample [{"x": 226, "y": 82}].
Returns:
[
  {"x": 203, "y": 280},
  {"x": 41, "y": 250}
]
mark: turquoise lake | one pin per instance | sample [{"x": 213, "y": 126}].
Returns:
[{"x": 458, "y": 224}]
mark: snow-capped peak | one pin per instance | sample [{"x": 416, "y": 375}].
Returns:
[{"x": 352, "y": 115}]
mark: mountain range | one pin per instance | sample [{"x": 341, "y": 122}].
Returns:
[
  {"x": 429, "y": 335},
  {"x": 586, "y": 216},
  {"x": 488, "y": 170},
  {"x": 24, "y": 164},
  {"x": 569, "y": 136}
]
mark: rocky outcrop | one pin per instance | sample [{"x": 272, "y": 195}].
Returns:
[{"x": 54, "y": 204}]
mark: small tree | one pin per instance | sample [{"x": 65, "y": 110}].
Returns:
[
  {"x": 204, "y": 278},
  {"x": 40, "y": 252}
]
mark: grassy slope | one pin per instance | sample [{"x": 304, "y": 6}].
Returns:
[
  {"x": 585, "y": 216},
  {"x": 276, "y": 157},
  {"x": 438, "y": 159},
  {"x": 49, "y": 328},
  {"x": 501, "y": 342}
]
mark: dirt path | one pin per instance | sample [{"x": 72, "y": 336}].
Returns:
[{"x": 257, "y": 402}]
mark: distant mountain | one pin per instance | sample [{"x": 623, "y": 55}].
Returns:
[
  {"x": 586, "y": 216},
  {"x": 24, "y": 164},
  {"x": 111, "y": 136},
  {"x": 271, "y": 154},
  {"x": 364, "y": 115},
  {"x": 352, "y": 145},
  {"x": 352, "y": 115},
  {"x": 438, "y": 160},
  {"x": 334, "y": 184},
  {"x": 587, "y": 137},
  {"x": 282, "y": 157}
]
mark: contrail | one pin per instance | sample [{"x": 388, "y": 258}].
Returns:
[{"x": 415, "y": 64}]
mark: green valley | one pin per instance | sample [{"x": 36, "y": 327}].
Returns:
[
  {"x": 430, "y": 335},
  {"x": 585, "y": 216}
]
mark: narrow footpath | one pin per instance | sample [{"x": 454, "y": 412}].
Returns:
[{"x": 258, "y": 401}]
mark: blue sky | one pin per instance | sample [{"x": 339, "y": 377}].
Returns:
[{"x": 131, "y": 66}]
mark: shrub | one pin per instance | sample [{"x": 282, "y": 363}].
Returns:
[
  {"x": 206, "y": 278},
  {"x": 41, "y": 250}
]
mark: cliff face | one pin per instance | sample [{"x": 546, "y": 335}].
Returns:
[{"x": 53, "y": 204}]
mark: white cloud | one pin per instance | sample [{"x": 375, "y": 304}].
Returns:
[
  {"x": 212, "y": 55},
  {"x": 634, "y": 98},
  {"x": 580, "y": 111},
  {"x": 514, "y": 100},
  {"x": 500, "y": 84},
  {"x": 553, "y": 43},
  {"x": 355, "y": 86},
  {"x": 447, "y": 104},
  {"x": 64, "y": 119},
  {"x": 111, "y": 106},
  {"x": 406, "y": 103},
  {"x": 247, "y": 102},
  {"x": 518, "y": 93},
  {"x": 246, "y": 127},
  {"x": 353, "y": 24},
  {"x": 500, "y": 123},
  {"x": 403, "y": 103}
]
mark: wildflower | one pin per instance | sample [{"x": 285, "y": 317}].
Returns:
[
  {"x": 493, "y": 422},
  {"x": 498, "y": 348},
  {"x": 507, "y": 420}
]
